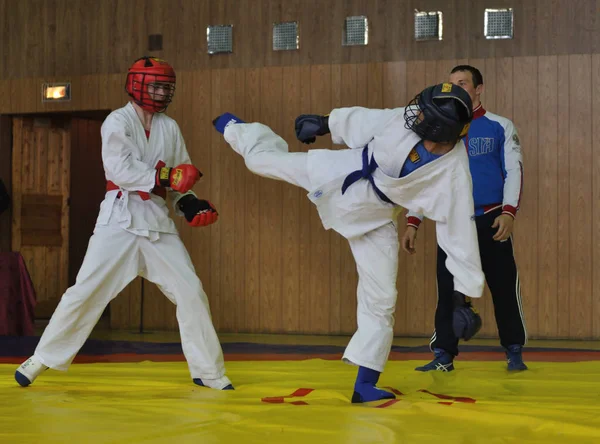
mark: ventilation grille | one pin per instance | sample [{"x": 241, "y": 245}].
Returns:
[
  {"x": 356, "y": 31},
  {"x": 285, "y": 36},
  {"x": 219, "y": 39},
  {"x": 428, "y": 25},
  {"x": 498, "y": 23}
]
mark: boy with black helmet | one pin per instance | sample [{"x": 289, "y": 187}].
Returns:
[{"x": 411, "y": 157}]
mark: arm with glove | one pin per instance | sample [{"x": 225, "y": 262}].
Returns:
[
  {"x": 180, "y": 178},
  {"x": 309, "y": 126},
  {"x": 354, "y": 127},
  {"x": 197, "y": 212},
  {"x": 125, "y": 169}
]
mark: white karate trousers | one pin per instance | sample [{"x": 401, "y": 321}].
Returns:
[
  {"x": 113, "y": 259},
  {"x": 375, "y": 254}
]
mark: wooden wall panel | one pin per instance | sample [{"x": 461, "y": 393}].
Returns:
[
  {"x": 525, "y": 117},
  {"x": 565, "y": 224},
  {"x": 65, "y": 38},
  {"x": 292, "y": 215},
  {"x": 595, "y": 97},
  {"x": 547, "y": 310},
  {"x": 580, "y": 175}
]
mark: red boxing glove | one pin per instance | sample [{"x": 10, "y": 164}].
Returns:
[
  {"x": 198, "y": 212},
  {"x": 181, "y": 178},
  {"x": 205, "y": 218}
]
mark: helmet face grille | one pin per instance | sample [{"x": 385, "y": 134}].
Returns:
[
  {"x": 151, "y": 92},
  {"x": 412, "y": 113},
  {"x": 417, "y": 120}
]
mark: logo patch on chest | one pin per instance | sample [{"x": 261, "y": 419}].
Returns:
[{"x": 414, "y": 156}]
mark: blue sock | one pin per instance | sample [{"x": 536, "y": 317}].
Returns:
[
  {"x": 365, "y": 389},
  {"x": 367, "y": 375},
  {"x": 225, "y": 119}
]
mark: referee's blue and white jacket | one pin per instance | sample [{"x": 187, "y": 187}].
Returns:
[{"x": 495, "y": 162}]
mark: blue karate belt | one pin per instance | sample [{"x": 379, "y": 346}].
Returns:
[{"x": 366, "y": 173}]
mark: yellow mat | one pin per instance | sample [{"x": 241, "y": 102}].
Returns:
[{"x": 273, "y": 403}]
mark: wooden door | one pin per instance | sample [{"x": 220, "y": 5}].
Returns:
[{"x": 40, "y": 219}]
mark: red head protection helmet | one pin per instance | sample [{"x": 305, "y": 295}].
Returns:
[{"x": 151, "y": 84}]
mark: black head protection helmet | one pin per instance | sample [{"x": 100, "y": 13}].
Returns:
[{"x": 440, "y": 113}]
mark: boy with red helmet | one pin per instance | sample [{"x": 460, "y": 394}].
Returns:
[
  {"x": 134, "y": 235},
  {"x": 151, "y": 84}
]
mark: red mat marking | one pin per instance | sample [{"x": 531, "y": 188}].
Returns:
[{"x": 281, "y": 399}]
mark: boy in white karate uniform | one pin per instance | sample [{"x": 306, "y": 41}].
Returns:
[
  {"x": 134, "y": 235},
  {"x": 411, "y": 157}
]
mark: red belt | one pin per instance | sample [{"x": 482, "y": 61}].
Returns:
[{"x": 159, "y": 191}]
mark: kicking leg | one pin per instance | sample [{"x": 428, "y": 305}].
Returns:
[{"x": 267, "y": 154}]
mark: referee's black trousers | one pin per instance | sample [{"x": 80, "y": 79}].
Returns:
[{"x": 502, "y": 277}]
